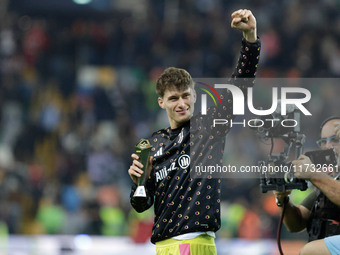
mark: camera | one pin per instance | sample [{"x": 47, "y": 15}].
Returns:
[
  {"x": 276, "y": 171},
  {"x": 284, "y": 178}
]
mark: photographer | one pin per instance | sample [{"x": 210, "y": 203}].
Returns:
[{"x": 320, "y": 211}]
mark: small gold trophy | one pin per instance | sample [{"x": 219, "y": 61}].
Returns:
[{"x": 143, "y": 150}]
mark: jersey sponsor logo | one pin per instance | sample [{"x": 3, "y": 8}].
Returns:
[
  {"x": 184, "y": 161},
  {"x": 161, "y": 174},
  {"x": 159, "y": 152}
]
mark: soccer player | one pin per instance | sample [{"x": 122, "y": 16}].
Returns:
[{"x": 187, "y": 209}]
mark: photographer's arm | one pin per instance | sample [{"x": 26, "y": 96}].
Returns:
[
  {"x": 325, "y": 183},
  {"x": 296, "y": 216},
  {"x": 328, "y": 186}
]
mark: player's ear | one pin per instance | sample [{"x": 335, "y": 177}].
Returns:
[
  {"x": 194, "y": 95},
  {"x": 161, "y": 102}
]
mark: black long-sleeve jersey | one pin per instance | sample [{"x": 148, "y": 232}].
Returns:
[{"x": 184, "y": 203}]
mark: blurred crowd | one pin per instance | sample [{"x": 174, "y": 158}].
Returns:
[{"x": 77, "y": 93}]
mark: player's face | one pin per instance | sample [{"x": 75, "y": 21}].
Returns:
[
  {"x": 179, "y": 105},
  {"x": 328, "y": 131}
]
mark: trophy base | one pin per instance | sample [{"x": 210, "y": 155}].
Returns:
[{"x": 140, "y": 192}]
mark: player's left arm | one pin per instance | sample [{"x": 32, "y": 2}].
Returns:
[
  {"x": 245, "y": 21},
  {"x": 243, "y": 75}
]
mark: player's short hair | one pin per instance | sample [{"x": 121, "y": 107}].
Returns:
[
  {"x": 173, "y": 77},
  {"x": 327, "y": 120}
]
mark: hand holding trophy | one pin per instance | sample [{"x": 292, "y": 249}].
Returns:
[{"x": 143, "y": 150}]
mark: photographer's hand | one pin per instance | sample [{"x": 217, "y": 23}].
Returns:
[
  {"x": 282, "y": 197},
  {"x": 296, "y": 216},
  {"x": 320, "y": 179},
  {"x": 303, "y": 168}
]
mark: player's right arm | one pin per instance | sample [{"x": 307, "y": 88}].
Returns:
[
  {"x": 296, "y": 216},
  {"x": 140, "y": 204}
]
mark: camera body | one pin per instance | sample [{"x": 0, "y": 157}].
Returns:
[{"x": 281, "y": 181}]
